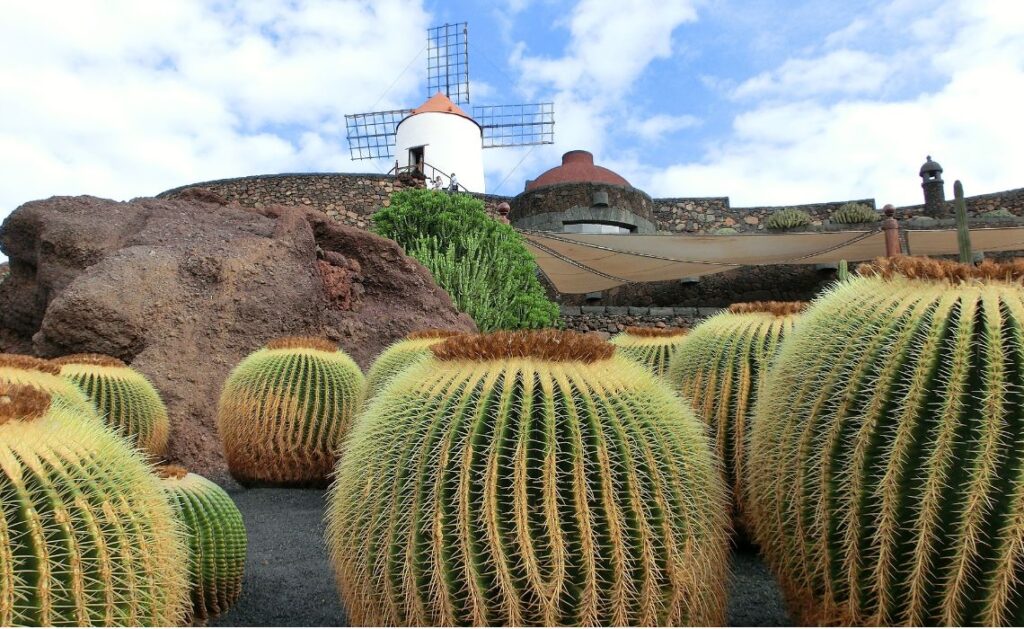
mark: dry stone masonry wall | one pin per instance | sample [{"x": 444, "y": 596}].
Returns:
[{"x": 351, "y": 198}]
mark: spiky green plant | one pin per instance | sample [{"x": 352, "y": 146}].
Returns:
[
  {"x": 400, "y": 355},
  {"x": 126, "y": 400},
  {"x": 87, "y": 537},
  {"x": 854, "y": 213},
  {"x": 216, "y": 537},
  {"x": 788, "y": 218},
  {"x": 651, "y": 347},
  {"x": 285, "y": 409},
  {"x": 720, "y": 367},
  {"x": 885, "y": 467},
  {"x": 528, "y": 478},
  {"x": 43, "y": 374}
]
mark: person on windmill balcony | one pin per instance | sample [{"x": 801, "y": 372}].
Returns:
[
  {"x": 436, "y": 184},
  {"x": 454, "y": 185}
]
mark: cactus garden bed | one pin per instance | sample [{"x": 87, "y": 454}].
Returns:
[{"x": 289, "y": 582}]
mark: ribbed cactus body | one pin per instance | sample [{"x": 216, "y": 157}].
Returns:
[
  {"x": 125, "y": 399},
  {"x": 216, "y": 537},
  {"x": 528, "y": 478},
  {"x": 44, "y": 375},
  {"x": 720, "y": 367},
  {"x": 651, "y": 347},
  {"x": 87, "y": 537},
  {"x": 399, "y": 356},
  {"x": 886, "y": 465},
  {"x": 285, "y": 409}
]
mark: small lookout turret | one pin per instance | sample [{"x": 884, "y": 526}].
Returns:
[{"x": 934, "y": 190}]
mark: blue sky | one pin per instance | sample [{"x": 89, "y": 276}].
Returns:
[{"x": 764, "y": 101}]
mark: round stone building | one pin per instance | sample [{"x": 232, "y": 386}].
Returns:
[{"x": 581, "y": 197}]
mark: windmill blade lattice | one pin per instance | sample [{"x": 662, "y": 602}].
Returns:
[
  {"x": 372, "y": 135},
  {"x": 516, "y": 125},
  {"x": 448, "y": 62}
]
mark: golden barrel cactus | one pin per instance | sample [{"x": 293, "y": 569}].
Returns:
[
  {"x": 720, "y": 367},
  {"x": 398, "y": 356},
  {"x": 285, "y": 409},
  {"x": 651, "y": 347},
  {"x": 45, "y": 375},
  {"x": 524, "y": 478},
  {"x": 125, "y": 399},
  {"x": 87, "y": 537},
  {"x": 885, "y": 471},
  {"x": 216, "y": 537}
]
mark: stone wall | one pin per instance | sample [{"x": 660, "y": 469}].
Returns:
[
  {"x": 710, "y": 214},
  {"x": 546, "y": 207},
  {"x": 611, "y": 320},
  {"x": 1010, "y": 200}
]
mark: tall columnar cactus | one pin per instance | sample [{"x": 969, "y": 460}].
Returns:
[
  {"x": 285, "y": 409},
  {"x": 126, "y": 400},
  {"x": 398, "y": 356},
  {"x": 720, "y": 368},
  {"x": 44, "y": 375},
  {"x": 87, "y": 537},
  {"x": 216, "y": 540},
  {"x": 651, "y": 347},
  {"x": 885, "y": 466},
  {"x": 529, "y": 478}
]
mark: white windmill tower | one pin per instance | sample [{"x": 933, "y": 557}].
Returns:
[{"x": 439, "y": 138}]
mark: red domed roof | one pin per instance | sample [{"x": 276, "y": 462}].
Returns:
[{"x": 577, "y": 166}]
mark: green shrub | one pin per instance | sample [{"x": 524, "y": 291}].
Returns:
[
  {"x": 1000, "y": 213},
  {"x": 851, "y": 213},
  {"x": 788, "y": 218},
  {"x": 481, "y": 263},
  {"x": 724, "y": 231}
]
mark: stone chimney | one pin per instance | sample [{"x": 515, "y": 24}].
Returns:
[{"x": 934, "y": 191}]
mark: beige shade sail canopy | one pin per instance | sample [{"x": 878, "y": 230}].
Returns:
[{"x": 583, "y": 263}]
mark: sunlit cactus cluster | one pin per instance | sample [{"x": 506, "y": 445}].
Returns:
[
  {"x": 124, "y": 398},
  {"x": 651, "y": 347},
  {"x": 885, "y": 466},
  {"x": 529, "y": 478},
  {"x": 400, "y": 355},
  {"x": 87, "y": 536},
  {"x": 285, "y": 409},
  {"x": 720, "y": 367},
  {"x": 215, "y": 536}
]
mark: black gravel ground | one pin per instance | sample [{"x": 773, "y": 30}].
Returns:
[{"x": 289, "y": 582}]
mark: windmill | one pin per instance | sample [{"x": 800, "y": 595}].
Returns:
[{"x": 439, "y": 137}]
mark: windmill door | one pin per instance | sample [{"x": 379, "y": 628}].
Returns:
[{"x": 416, "y": 158}]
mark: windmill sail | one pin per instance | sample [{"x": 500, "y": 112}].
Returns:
[
  {"x": 516, "y": 125},
  {"x": 448, "y": 62},
  {"x": 372, "y": 135}
]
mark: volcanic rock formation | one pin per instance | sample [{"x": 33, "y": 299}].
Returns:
[{"x": 183, "y": 289}]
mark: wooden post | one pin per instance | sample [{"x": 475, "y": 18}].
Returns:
[
  {"x": 963, "y": 233},
  {"x": 892, "y": 232}
]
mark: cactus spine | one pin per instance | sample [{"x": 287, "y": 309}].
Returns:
[
  {"x": 398, "y": 356},
  {"x": 885, "y": 467},
  {"x": 126, "y": 400},
  {"x": 87, "y": 537},
  {"x": 720, "y": 368},
  {"x": 651, "y": 347},
  {"x": 285, "y": 409},
  {"x": 44, "y": 375},
  {"x": 528, "y": 478},
  {"x": 216, "y": 540}
]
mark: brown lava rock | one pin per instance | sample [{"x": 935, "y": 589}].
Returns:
[{"x": 183, "y": 289}]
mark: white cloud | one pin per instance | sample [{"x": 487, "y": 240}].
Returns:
[
  {"x": 121, "y": 99},
  {"x": 843, "y": 71},
  {"x": 812, "y": 148},
  {"x": 656, "y": 127}
]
